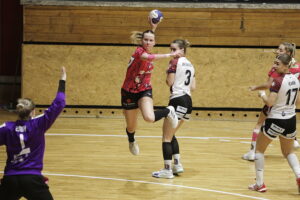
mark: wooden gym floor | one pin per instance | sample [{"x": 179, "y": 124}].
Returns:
[{"x": 88, "y": 158}]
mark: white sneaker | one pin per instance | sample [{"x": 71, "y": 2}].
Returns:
[
  {"x": 163, "y": 173},
  {"x": 134, "y": 148},
  {"x": 296, "y": 144},
  {"x": 249, "y": 156},
  {"x": 172, "y": 117},
  {"x": 177, "y": 169}
]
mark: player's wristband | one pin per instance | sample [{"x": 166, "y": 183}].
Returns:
[
  {"x": 261, "y": 93},
  {"x": 151, "y": 57},
  {"x": 62, "y": 86}
]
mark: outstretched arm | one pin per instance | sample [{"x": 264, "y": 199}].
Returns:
[
  {"x": 62, "y": 81},
  {"x": 45, "y": 120},
  {"x": 150, "y": 57},
  {"x": 263, "y": 86}
]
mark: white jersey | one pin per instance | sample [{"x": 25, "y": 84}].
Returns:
[
  {"x": 287, "y": 87},
  {"x": 184, "y": 76}
]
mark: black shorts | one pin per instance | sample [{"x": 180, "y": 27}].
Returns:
[
  {"x": 183, "y": 106},
  {"x": 283, "y": 127},
  {"x": 28, "y": 186},
  {"x": 130, "y": 100}
]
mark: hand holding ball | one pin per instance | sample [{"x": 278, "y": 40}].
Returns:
[{"x": 156, "y": 16}]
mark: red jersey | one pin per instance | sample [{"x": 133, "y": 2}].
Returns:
[
  {"x": 138, "y": 75},
  {"x": 294, "y": 69}
]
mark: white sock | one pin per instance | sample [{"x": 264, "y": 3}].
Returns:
[
  {"x": 176, "y": 159},
  {"x": 259, "y": 168},
  {"x": 294, "y": 164},
  {"x": 168, "y": 164}
]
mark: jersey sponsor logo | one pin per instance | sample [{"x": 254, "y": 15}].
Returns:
[
  {"x": 292, "y": 83},
  {"x": 186, "y": 64},
  {"x": 277, "y": 128},
  {"x": 272, "y": 132},
  {"x": 20, "y": 129},
  {"x": 181, "y": 109}
]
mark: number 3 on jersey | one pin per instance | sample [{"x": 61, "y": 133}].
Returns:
[{"x": 188, "y": 77}]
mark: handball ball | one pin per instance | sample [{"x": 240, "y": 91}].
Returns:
[{"x": 156, "y": 16}]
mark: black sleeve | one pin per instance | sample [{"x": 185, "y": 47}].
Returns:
[{"x": 62, "y": 86}]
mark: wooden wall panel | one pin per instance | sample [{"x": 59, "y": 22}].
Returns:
[
  {"x": 244, "y": 27},
  {"x": 96, "y": 73}
]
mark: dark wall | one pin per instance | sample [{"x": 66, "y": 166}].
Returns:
[
  {"x": 11, "y": 37},
  {"x": 210, "y": 1}
]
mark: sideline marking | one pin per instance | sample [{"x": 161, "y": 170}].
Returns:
[
  {"x": 155, "y": 183},
  {"x": 185, "y": 137}
]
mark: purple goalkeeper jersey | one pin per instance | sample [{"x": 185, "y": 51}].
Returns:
[{"x": 25, "y": 140}]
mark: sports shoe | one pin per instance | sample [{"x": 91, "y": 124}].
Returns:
[
  {"x": 249, "y": 156},
  {"x": 177, "y": 169},
  {"x": 257, "y": 188},
  {"x": 163, "y": 173},
  {"x": 172, "y": 117},
  {"x": 298, "y": 183},
  {"x": 134, "y": 148},
  {"x": 296, "y": 144}
]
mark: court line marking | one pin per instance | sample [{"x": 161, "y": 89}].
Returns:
[
  {"x": 148, "y": 182},
  {"x": 155, "y": 183},
  {"x": 139, "y": 136}
]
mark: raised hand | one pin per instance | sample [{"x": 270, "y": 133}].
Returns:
[{"x": 63, "y": 73}]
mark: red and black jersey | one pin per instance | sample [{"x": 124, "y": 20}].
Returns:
[
  {"x": 286, "y": 86},
  {"x": 138, "y": 75},
  {"x": 294, "y": 69}
]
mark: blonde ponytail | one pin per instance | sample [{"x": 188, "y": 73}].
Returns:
[
  {"x": 291, "y": 48},
  {"x": 137, "y": 36},
  {"x": 182, "y": 44}
]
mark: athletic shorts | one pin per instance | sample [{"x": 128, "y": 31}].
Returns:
[
  {"x": 130, "y": 100},
  {"x": 28, "y": 186},
  {"x": 282, "y": 127},
  {"x": 183, "y": 106}
]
